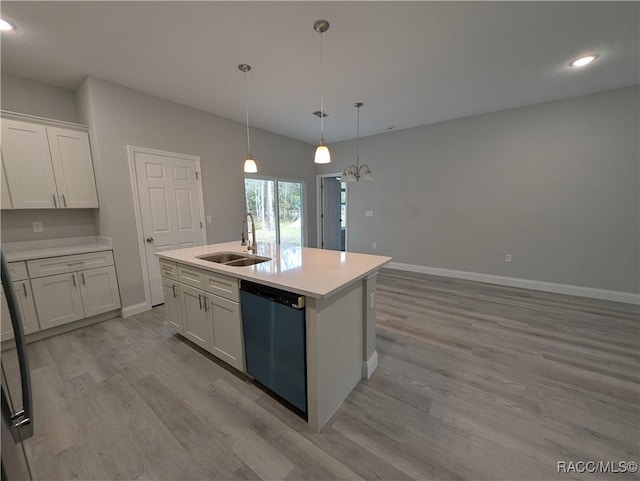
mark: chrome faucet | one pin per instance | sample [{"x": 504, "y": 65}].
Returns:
[{"x": 252, "y": 245}]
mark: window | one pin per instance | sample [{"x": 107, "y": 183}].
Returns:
[{"x": 278, "y": 209}]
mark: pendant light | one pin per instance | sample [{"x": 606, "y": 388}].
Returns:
[
  {"x": 250, "y": 166},
  {"x": 322, "y": 151},
  {"x": 355, "y": 172}
]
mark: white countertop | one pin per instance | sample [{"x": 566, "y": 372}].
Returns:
[
  {"x": 28, "y": 254},
  {"x": 311, "y": 272}
]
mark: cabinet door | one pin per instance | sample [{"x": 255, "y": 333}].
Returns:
[
  {"x": 57, "y": 299},
  {"x": 25, "y": 306},
  {"x": 194, "y": 317},
  {"x": 172, "y": 304},
  {"x": 226, "y": 331},
  {"x": 6, "y": 195},
  {"x": 99, "y": 289},
  {"x": 27, "y": 163},
  {"x": 73, "y": 167}
]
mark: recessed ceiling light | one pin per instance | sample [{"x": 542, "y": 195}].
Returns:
[
  {"x": 4, "y": 25},
  {"x": 582, "y": 61}
]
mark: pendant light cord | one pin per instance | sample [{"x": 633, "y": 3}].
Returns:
[
  {"x": 321, "y": 94},
  {"x": 246, "y": 104},
  {"x": 358, "y": 142}
]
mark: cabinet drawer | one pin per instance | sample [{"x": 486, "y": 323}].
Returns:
[
  {"x": 169, "y": 269},
  {"x": 218, "y": 284},
  {"x": 64, "y": 264},
  {"x": 18, "y": 271}
]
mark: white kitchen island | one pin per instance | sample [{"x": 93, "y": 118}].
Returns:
[{"x": 340, "y": 309}]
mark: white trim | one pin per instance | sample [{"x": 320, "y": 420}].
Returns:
[
  {"x": 7, "y": 114},
  {"x": 135, "y": 309},
  {"x": 569, "y": 289},
  {"x": 131, "y": 151},
  {"x": 370, "y": 365},
  {"x": 319, "y": 209}
]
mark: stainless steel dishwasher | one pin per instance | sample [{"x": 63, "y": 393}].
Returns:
[{"x": 275, "y": 340}]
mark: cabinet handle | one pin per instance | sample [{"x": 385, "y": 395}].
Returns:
[
  {"x": 206, "y": 306},
  {"x": 200, "y": 300},
  {"x": 173, "y": 286},
  {"x": 83, "y": 282},
  {"x": 55, "y": 202},
  {"x": 64, "y": 200},
  {"x": 24, "y": 288},
  {"x": 73, "y": 276}
]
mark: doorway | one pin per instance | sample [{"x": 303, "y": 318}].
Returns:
[
  {"x": 332, "y": 212},
  {"x": 169, "y": 209}
]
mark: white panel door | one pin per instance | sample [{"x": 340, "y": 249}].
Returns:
[
  {"x": 331, "y": 229},
  {"x": 172, "y": 306},
  {"x": 226, "y": 330},
  {"x": 99, "y": 289},
  {"x": 73, "y": 167},
  {"x": 170, "y": 209},
  {"x": 194, "y": 316},
  {"x": 57, "y": 299},
  {"x": 27, "y": 161}
]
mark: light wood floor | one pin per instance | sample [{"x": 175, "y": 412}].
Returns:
[{"x": 474, "y": 382}]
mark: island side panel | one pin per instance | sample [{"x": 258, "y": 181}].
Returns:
[
  {"x": 334, "y": 352},
  {"x": 369, "y": 353}
]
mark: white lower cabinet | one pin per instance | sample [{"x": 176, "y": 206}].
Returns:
[
  {"x": 69, "y": 297},
  {"x": 27, "y": 309},
  {"x": 194, "y": 315},
  {"x": 99, "y": 290},
  {"x": 208, "y": 320},
  {"x": 58, "y": 299},
  {"x": 226, "y": 330},
  {"x": 171, "y": 290}
]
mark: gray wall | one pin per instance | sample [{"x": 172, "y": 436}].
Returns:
[
  {"x": 118, "y": 116},
  {"x": 37, "y": 98},
  {"x": 16, "y": 224},
  {"x": 554, "y": 184}
]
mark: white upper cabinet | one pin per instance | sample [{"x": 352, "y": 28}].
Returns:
[
  {"x": 27, "y": 162},
  {"x": 73, "y": 167},
  {"x": 47, "y": 167},
  {"x": 6, "y": 197}
]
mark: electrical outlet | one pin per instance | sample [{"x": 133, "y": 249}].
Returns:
[
  {"x": 209, "y": 219},
  {"x": 368, "y": 213},
  {"x": 508, "y": 258},
  {"x": 374, "y": 245},
  {"x": 372, "y": 300},
  {"x": 37, "y": 227}
]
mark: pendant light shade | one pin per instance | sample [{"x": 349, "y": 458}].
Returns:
[
  {"x": 250, "y": 166},
  {"x": 355, "y": 172},
  {"x": 322, "y": 151},
  {"x": 322, "y": 155}
]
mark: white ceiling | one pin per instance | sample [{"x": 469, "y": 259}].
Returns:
[{"x": 411, "y": 63}]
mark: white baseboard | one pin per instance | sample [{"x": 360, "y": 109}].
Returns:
[
  {"x": 581, "y": 291},
  {"x": 370, "y": 365},
  {"x": 134, "y": 309}
]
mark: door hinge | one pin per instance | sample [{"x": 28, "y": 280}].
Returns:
[
  {"x": 201, "y": 225},
  {"x": 197, "y": 175}
]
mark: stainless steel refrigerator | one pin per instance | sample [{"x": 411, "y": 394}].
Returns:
[{"x": 16, "y": 402}]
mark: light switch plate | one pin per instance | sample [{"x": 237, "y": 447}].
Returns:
[
  {"x": 37, "y": 227},
  {"x": 368, "y": 213},
  {"x": 209, "y": 219}
]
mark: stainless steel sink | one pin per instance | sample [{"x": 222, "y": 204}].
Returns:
[
  {"x": 247, "y": 261},
  {"x": 233, "y": 259},
  {"x": 222, "y": 257}
]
